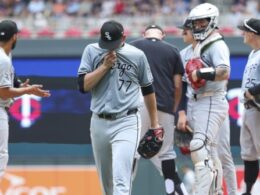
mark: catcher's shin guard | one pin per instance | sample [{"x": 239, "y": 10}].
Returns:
[
  {"x": 203, "y": 166},
  {"x": 213, "y": 188},
  {"x": 216, "y": 187},
  {"x": 203, "y": 178}
]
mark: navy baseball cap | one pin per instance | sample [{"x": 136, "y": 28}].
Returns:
[
  {"x": 251, "y": 25},
  {"x": 111, "y": 33},
  {"x": 7, "y": 29},
  {"x": 153, "y": 26}
]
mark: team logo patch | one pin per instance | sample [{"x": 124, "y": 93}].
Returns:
[{"x": 107, "y": 35}]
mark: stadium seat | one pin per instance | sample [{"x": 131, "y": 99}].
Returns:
[
  {"x": 45, "y": 32},
  {"x": 128, "y": 32},
  {"x": 226, "y": 30},
  {"x": 171, "y": 30},
  {"x": 73, "y": 32},
  {"x": 94, "y": 32},
  {"x": 25, "y": 33}
]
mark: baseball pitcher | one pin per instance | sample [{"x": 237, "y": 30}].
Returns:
[{"x": 114, "y": 71}]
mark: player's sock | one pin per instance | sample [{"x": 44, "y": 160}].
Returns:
[
  {"x": 172, "y": 181},
  {"x": 251, "y": 173}
]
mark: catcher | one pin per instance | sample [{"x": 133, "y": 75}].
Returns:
[{"x": 207, "y": 69}]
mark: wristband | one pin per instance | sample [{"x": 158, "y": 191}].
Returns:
[{"x": 206, "y": 73}]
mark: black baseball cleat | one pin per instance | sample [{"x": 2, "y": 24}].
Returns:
[{"x": 246, "y": 193}]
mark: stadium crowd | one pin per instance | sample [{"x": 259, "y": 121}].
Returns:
[{"x": 55, "y": 17}]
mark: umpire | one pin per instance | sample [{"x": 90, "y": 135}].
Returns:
[{"x": 167, "y": 69}]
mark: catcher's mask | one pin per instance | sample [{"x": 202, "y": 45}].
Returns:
[{"x": 204, "y": 11}]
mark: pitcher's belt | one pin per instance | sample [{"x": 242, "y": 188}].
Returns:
[{"x": 113, "y": 116}]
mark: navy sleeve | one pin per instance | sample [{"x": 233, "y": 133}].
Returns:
[
  {"x": 81, "y": 83},
  {"x": 147, "y": 90},
  {"x": 184, "y": 99}
]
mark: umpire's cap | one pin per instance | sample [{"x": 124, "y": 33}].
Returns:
[
  {"x": 154, "y": 26},
  {"x": 251, "y": 25},
  {"x": 111, "y": 33},
  {"x": 7, "y": 29}
]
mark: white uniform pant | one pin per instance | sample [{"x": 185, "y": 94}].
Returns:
[
  {"x": 114, "y": 145},
  {"x": 250, "y": 135},
  {"x": 4, "y": 133},
  {"x": 205, "y": 116}
]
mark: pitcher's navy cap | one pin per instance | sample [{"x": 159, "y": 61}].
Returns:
[{"x": 111, "y": 33}]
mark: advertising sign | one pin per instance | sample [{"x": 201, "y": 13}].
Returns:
[{"x": 50, "y": 180}]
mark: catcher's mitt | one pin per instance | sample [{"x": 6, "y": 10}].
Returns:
[
  {"x": 194, "y": 64},
  {"x": 151, "y": 143},
  {"x": 182, "y": 139}
]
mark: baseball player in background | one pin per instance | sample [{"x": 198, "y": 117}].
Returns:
[
  {"x": 207, "y": 106},
  {"x": 167, "y": 69},
  {"x": 10, "y": 86},
  {"x": 114, "y": 71},
  {"x": 250, "y": 134},
  {"x": 223, "y": 137}
]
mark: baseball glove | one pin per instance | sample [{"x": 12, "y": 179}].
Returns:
[
  {"x": 255, "y": 102},
  {"x": 182, "y": 139},
  {"x": 151, "y": 143},
  {"x": 194, "y": 64}
]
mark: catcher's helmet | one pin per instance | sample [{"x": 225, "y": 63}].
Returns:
[{"x": 204, "y": 11}]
